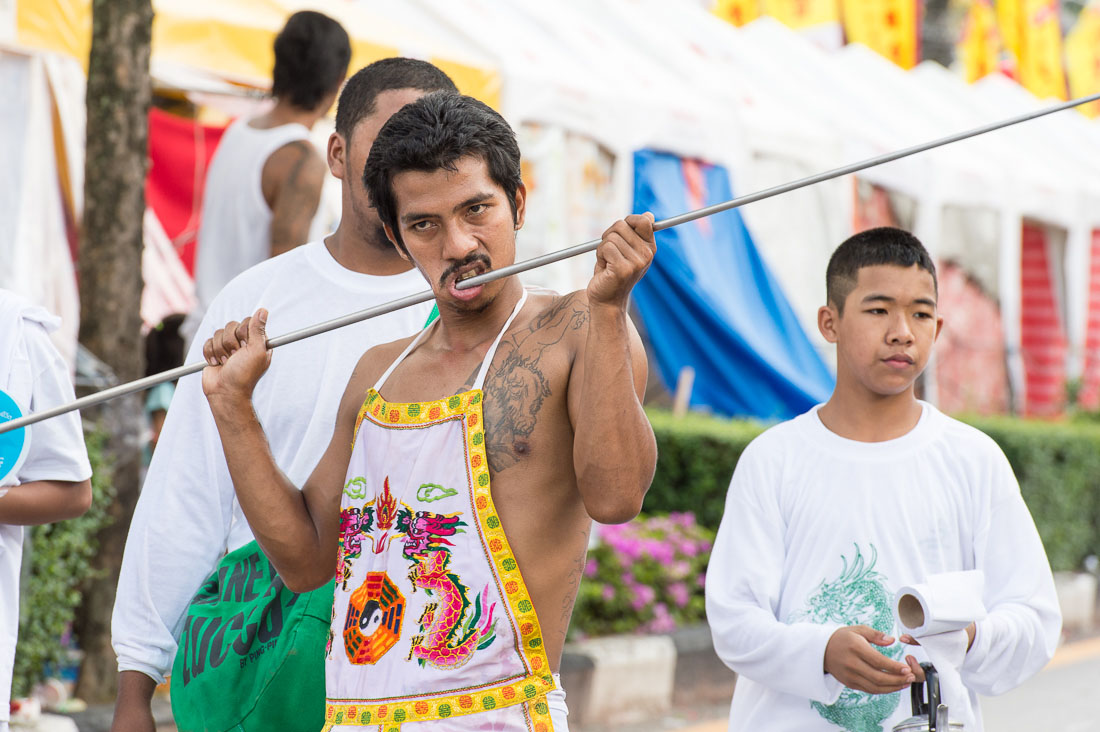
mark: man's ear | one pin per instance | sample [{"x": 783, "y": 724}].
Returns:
[
  {"x": 521, "y": 205},
  {"x": 337, "y": 151},
  {"x": 828, "y": 321},
  {"x": 939, "y": 327}
]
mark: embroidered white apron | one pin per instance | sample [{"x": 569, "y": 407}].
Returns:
[{"x": 432, "y": 624}]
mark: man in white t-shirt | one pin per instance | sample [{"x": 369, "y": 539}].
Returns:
[
  {"x": 188, "y": 486},
  {"x": 264, "y": 183},
  {"x": 829, "y": 514},
  {"x": 50, "y": 480}
]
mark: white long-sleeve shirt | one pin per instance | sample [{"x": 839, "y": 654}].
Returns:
[
  {"x": 820, "y": 531},
  {"x": 188, "y": 516}
]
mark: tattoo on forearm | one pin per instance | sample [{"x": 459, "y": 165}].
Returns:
[
  {"x": 517, "y": 388},
  {"x": 573, "y": 586}
]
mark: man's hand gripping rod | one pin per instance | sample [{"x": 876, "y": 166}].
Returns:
[{"x": 176, "y": 373}]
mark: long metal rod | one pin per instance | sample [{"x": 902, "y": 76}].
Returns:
[{"x": 181, "y": 371}]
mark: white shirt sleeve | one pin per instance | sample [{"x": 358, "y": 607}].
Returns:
[
  {"x": 743, "y": 590},
  {"x": 178, "y": 532},
  {"x": 56, "y": 450},
  {"x": 1021, "y": 631}
]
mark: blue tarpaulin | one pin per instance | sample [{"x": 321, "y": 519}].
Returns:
[{"x": 709, "y": 301}]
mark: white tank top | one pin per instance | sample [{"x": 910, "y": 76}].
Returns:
[{"x": 235, "y": 231}]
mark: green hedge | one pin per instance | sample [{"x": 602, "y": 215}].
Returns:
[
  {"x": 60, "y": 560},
  {"x": 1057, "y": 464},
  {"x": 696, "y": 455}
]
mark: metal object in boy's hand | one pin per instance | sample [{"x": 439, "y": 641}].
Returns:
[{"x": 928, "y": 715}]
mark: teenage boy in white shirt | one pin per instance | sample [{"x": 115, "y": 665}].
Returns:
[{"x": 830, "y": 513}]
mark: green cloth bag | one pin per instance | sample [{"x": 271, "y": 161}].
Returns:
[{"x": 252, "y": 653}]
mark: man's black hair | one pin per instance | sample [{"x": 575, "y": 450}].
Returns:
[
  {"x": 359, "y": 97},
  {"x": 433, "y": 133},
  {"x": 883, "y": 245},
  {"x": 164, "y": 346},
  {"x": 312, "y": 52}
]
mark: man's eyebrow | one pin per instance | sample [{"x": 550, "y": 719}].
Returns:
[
  {"x": 878, "y": 297},
  {"x": 474, "y": 199},
  {"x": 925, "y": 301}
]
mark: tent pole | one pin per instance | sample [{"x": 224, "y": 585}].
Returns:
[{"x": 294, "y": 336}]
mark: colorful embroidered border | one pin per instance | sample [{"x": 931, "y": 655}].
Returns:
[
  {"x": 413, "y": 414},
  {"x": 531, "y": 690}
]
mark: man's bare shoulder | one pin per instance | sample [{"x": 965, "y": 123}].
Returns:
[{"x": 374, "y": 362}]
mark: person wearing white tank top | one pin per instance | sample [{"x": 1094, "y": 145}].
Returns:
[
  {"x": 264, "y": 182},
  {"x": 456, "y": 497}
]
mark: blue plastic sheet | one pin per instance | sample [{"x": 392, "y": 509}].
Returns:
[{"x": 709, "y": 301}]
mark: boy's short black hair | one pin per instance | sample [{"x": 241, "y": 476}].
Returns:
[
  {"x": 433, "y": 133},
  {"x": 360, "y": 94},
  {"x": 312, "y": 53},
  {"x": 883, "y": 245}
]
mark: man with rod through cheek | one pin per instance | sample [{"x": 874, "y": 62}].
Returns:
[
  {"x": 188, "y": 534},
  {"x": 467, "y": 463}
]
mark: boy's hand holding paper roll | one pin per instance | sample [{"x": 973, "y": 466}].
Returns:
[{"x": 940, "y": 615}]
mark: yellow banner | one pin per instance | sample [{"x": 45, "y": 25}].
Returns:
[
  {"x": 886, "y": 26},
  {"x": 234, "y": 38},
  {"x": 980, "y": 46},
  {"x": 1033, "y": 36},
  {"x": 737, "y": 12},
  {"x": 802, "y": 13},
  {"x": 1083, "y": 57}
]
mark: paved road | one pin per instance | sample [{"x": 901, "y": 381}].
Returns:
[{"x": 1063, "y": 697}]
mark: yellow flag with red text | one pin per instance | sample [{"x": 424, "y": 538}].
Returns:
[
  {"x": 889, "y": 27},
  {"x": 802, "y": 13},
  {"x": 1083, "y": 57},
  {"x": 737, "y": 12},
  {"x": 979, "y": 49},
  {"x": 1033, "y": 37}
]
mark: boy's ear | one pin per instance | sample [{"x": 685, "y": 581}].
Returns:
[
  {"x": 939, "y": 327},
  {"x": 828, "y": 321}
]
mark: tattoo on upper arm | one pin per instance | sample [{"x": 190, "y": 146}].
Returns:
[
  {"x": 297, "y": 199},
  {"x": 517, "y": 388}
]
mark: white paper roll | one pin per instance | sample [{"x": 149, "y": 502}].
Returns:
[
  {"x": 945, "y": 602},
  {"x": 936, "y": 613}
]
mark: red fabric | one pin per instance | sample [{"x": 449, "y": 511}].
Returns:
[
  {"x": 970, "y": 354},
  {"x": 179, "y": 154},
  {"x": 1042, "y": 334},
  {"x": 1089, "y": 398}
]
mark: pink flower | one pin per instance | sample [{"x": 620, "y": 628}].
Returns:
[
  {"x": 662, "y": 622},
  {"x": 607, "y": 593},
  {"x": 679, "y": 593},
  {"x": 643, "y": 596},
  {"x": 591, "y": 567}
]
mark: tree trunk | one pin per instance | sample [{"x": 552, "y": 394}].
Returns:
[{"x": 118, "y": 98}]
